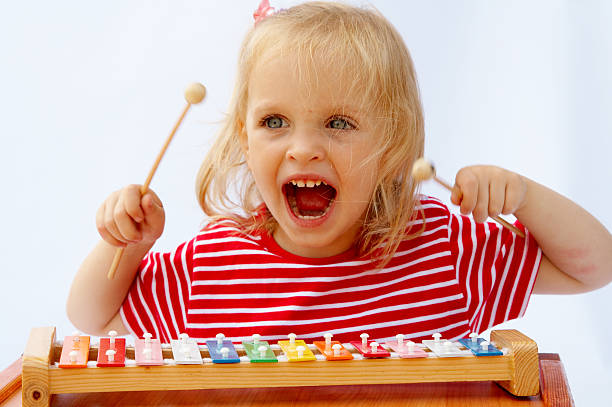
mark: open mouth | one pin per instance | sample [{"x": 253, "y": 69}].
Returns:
[{"x": 309, "y": 199}]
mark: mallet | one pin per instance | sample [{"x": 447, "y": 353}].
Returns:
[
  {"x": 194, "y": 94},
  {"x": 424, "y": 170}
]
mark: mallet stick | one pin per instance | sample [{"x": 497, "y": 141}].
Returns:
[{"x": 194, "y": 94}]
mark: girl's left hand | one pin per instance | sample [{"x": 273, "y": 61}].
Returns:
[{"x": 486, "y": 191}]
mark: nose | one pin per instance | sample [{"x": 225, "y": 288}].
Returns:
[{"x": 306, "y": 146}]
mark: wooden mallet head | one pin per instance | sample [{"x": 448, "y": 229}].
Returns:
[
  {"x": 422, "y": 170},
  {"x": 195, "y": 93}
]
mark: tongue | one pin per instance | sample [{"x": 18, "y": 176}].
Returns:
[{"x": 314, "y": 199}]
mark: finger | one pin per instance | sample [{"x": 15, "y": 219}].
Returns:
[
  {"x": 126, "y": 226},
  {"x": 481, "y": 210},
  {"x": 467, "y": 183},
  {"x": 497, "y": 196},
  {"x": 456, "y": 195},
  {"x": 109, "y": 221},
  {"x": 153, "y": 196},
  {"x": 108, "y": 238},
  {"x": 131, "y": 201},
  {"x": 102, "y": 230},
  {"x": 153, "y": 211}
]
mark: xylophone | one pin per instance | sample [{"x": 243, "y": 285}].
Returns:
[{"x": 76, "y": 366}]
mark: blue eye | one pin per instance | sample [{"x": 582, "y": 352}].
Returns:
[
  {"x": 340, "y": 124},
  {"x": 274, "y": 122}
]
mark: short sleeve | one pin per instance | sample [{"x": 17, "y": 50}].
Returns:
[
  {"x": 495, "y": 268},
  {"x": 157, "y": 299}
]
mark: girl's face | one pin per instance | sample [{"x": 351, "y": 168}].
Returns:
[{"x": 311, "y": 149}]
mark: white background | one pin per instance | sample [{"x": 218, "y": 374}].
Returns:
[{"x": 90, "y": 90}]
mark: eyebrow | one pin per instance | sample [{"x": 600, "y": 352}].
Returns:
[
  {"x": 337, "y": 109},
  {"x": 265, "y": 106}
]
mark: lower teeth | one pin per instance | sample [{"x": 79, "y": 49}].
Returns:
[
  {"x": 309, "y": 217},
  {"x": 296, "y": 211}
]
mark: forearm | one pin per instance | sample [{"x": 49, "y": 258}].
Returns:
[
  {"x": 94, "y": 299},
  {"x": 571, "y": 238}
]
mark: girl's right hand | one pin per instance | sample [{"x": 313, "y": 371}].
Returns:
[{"x": 126, "y": 217}]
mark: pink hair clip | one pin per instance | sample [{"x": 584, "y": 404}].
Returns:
[{"x": 264, "y": 10}]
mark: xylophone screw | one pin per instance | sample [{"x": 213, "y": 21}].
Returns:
[
  {"x": 147, "y": 353},
  {"x": 292, "y": 337},
  {"x": 262, "y": 351},
  {"x": 224, "y": 352},
  {"x": 110, "y": 355},
  {"x": 437, "y": 337},
  {"x": 364, "y": 340},
  {"x": 337, "y": 349},
  {"x": 220, "y": 338},
  {"x": 400, "y": 340},
  {"x": 256, "y": 338},
  {"x": 484, "y": 345},
  {"x": 147, "y": 338},
  {"x": 410, "y": 345},
  {"x": 327, "y": 337},
  {"x": 112, "y": 335},
  {"x": 474, "y": 337},
  {"x": 300, "y": 351},
  {"x": 374, "y": 346}
]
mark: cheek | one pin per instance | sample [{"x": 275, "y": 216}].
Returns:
[
  {"x": 361, "y": 169},
  {"x": 368, "y": 178},
  {"x": 252, "y": 154},
  {"x": 262, "y": 165}
]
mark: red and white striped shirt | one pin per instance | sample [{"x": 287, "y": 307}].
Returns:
[{"x": 457, "y": 277}]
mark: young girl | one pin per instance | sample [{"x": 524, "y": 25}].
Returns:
[{"x": 324, "y": 230}]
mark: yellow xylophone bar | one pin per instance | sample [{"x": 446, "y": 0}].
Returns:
[{"x": 517, "y": 371}]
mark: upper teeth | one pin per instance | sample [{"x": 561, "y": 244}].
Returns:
[{"x": 307, "y": 182}]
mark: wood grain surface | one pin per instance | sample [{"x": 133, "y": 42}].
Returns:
[
  {"x": 553, "y": 382},
  {"x": 555, "y": 392},
  {"x": 10, "y": 380}
]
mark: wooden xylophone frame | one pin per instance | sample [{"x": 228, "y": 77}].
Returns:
[{"x": 517, "y": 371}]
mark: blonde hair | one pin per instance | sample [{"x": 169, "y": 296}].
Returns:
[{"x": 374, "y": 54}]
